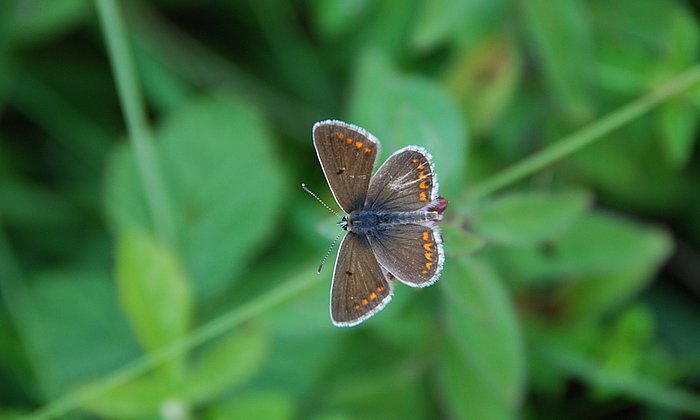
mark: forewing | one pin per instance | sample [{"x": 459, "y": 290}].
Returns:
[
  {"x": 412, "y": 253},
  {"x": 347, "y": 154},
  {"x": 405, "y": 182},
  {"x": 359, "y": 288}
]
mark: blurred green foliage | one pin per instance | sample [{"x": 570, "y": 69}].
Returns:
[{"x": 575, "y": 292}]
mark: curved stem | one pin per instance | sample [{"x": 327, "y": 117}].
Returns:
[
  {"x": 213, "y": 329},
  {"x": 137, "y": 125},
  {"x": 586, "y": 136}
]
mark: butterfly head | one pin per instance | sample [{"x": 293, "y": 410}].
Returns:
[{"x": 345, "y": 223}]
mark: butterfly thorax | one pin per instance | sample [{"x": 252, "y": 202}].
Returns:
[{"x": 374, "y": 221}]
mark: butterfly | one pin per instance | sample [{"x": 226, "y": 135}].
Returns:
[{"x": 391, "y": 219}]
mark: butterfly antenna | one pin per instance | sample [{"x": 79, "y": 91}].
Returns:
[
  {"x": 328, "y": 252},
  {"x": 320, "y": 201}
]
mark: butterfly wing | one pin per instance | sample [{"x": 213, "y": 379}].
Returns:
[
  {"x": 359, "y": 288},
  {"x": 405, "y": 182},
  {"x": 413, "y": 253},
  {"x": 347, "y": 154}
]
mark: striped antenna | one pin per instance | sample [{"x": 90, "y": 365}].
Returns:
[
  {"x": 335, "y": 241},
  {"x": 329, "y": 252},
  {"x": 319, "y": 200}
]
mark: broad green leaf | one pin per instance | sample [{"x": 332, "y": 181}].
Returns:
[
  {"x": 406, "y": 110},
  {"x": 71, "y": 328},
  {"x": 484, "y": 79},
  {"x": 226, "y": 364},
  {"x": 597, "y": 244},
  {"x": 410, "y": 317},
  {"x": 483, "y": 371},
  {"x": 331, "y": 16},
  {"x": 440, "y": 21},
  {"x": 218, "y": 162},
  {"x": 627, "y": 343},
  {"x": 644, "y": 42},
  {"x": 530, "y": 218},
  {"x": 138, "y": 398},
  {"x": 308, "y": 313},
  {"x": 678, "y": 121},
  {"x": 262, "y": 405},
  {"x": 36, "y": 21},
  {"x": 464, "y": 394},
  {"x": 13, "y": 414},
  {"x": 629, "y": 169},
  {"x": 563, "y": 41},
  {"x": 313, "y": 355},
  {"x": 153, "y": 289},
  {"x": 458, "y": 242},
  {"x": 377, "y": 390},
  {"x": 593, "y": 295}
]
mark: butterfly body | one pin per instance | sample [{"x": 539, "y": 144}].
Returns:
[
  {"x": 391, "y": 219},
  {"x": 376, "y": 222}
]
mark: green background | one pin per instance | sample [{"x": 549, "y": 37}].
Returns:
[{"x": 158, "y": 255}]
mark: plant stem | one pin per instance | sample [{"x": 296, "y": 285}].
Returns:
[
  {"x": 139, "y": 131},
  {"x": 586, "y": 136},
  {"x": 213, "y": 329}
]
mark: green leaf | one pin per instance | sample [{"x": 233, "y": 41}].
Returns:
[
  {"x": 483, "y": 370},
  {"x": 153, "y": 289},
  {"x": 441, "y": 20},
  {"x": 39, "y": 21},
  {"x": 71, "y": 328},
  {"x": 139, "y": 398},
  {"x": 484, "y": 78},
  {"x": 219, "y": 164},
  {"x": 677, "y": 122},
  {"x": 12, "y": 414},
  {"x": 262, "y": 405},
  {"x": 458, "y": 243},
  {"x": 530, "y": 218},
  {"x": 644, "y": 42},
  {"x": 563, "y": 41},
  {"x": 389, "y": 390},
  {"x": 313, "y": 354},
  {"x": 228, "y": 363},
  {"x": 331, "y": 16},
  {"x": 404, "y": 110},
  {"x": 628, "y": 343},
  {"x": 597, "y": 244}
]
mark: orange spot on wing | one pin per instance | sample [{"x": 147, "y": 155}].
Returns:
[
  {"x": 365, "y": 301},
  {"x": 368, "y": 150},
  {"x": 414, "y": 160},
  {"x": 426, "y": 236},
  {"x": 421, "y": 166},
  {"x": 341, "y": 136},
  {"x": 424, "y": 272},
  {"x": 423, "y": 185},
  {"x": 428, "y": 265},
  {"x": 428, "y": 246},
  {"x": 358, "y": 144},
  {"x": 421, "y": 175},
  {"x": 356, "y": 307},
  {"x": 380, "y": 289},
  {"x": 348, "y": 140},
  {"x": 372, "y": 296},
  {"x": 423, "y": 197},
  {"x": 428, "y": 256}
]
